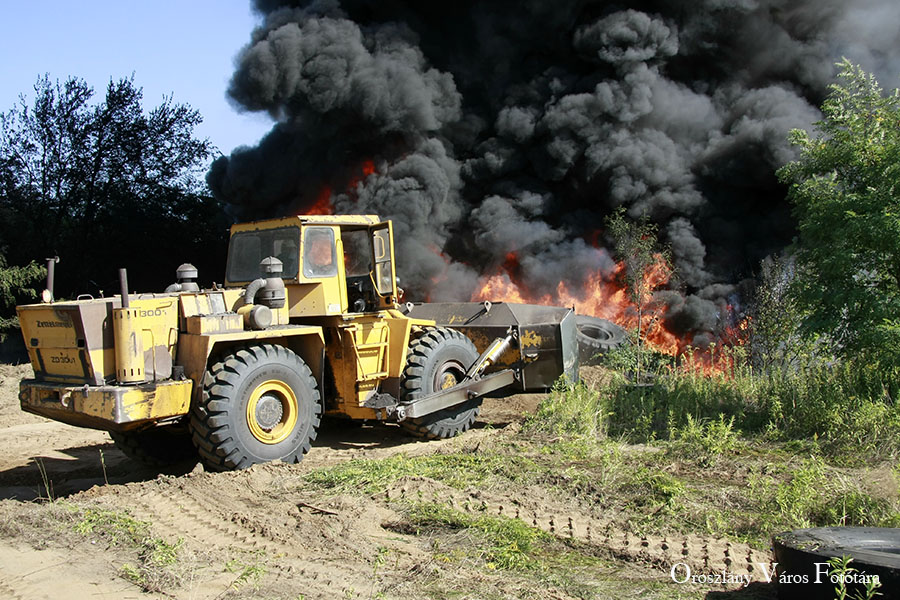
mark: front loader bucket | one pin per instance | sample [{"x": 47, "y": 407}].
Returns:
[{"x": 547, "y": 342}]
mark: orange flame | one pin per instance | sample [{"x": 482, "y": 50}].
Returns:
[
  {"x": 607, "y": 297},
  {"x": 322, "y": 204}
]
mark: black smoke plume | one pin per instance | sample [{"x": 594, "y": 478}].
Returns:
[{"x": 518, "y": 126}]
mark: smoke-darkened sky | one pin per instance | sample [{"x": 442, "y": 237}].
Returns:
[{"x": 519, "y": 126}]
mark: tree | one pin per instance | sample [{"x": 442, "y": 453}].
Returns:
[
  {"x": 637, "y": 246},
  {"x": 15, "y": 283},
  {"x": 104, "y": 185},
  {"x": 775, "y": 339},
  {"x": 845, "y": 190}
]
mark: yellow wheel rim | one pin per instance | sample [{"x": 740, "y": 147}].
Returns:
[
  {"x": 448, "y": 380},
  {"x": 272, "y": 412},
  {"x": 448, "y": 375}
]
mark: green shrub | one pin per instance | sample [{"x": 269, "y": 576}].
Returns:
[
  {"x": 811, "y": 495},
  {"x": 571, "y": 409},
  {"x": 706, "y": 440}
]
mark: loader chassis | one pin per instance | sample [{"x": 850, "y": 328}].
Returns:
[{"x": 308, "y": 323}]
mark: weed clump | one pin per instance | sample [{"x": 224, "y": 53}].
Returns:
[
  {"x": 811, "y": 495},
  {"x": 705, "y": 440},
  {"x": 573, "y": 410},
  {"x": 457, "y": 470},
  {"x": 505, "y": 543}
]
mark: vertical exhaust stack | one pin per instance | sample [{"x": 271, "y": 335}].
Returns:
[
  {"x": 47, "y": 295},
  {"x": 128, "y": 339}
]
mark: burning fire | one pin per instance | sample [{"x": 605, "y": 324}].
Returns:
[
  {"x": 322, "y": 204},
  {"x": 607, "y": 297}
]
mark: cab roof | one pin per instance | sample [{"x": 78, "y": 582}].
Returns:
[{"x": 307, "y": 219}]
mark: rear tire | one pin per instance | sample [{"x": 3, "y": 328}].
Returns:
[
  {"x": 437, "y": 360},
  {"x": 258, "y": 404},
  {"x": 156, "y": 447}
]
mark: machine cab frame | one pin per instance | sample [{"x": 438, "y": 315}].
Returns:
[{"x": 332, "y": 265}]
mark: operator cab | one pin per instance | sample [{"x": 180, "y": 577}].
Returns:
[{"x": 331, "y": 264}]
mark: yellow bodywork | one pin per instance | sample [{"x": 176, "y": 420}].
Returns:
[
  {"x": 73, "y": 341},
  {"x": 110, "y": 407},
  {"x": 99, "y": 364}
]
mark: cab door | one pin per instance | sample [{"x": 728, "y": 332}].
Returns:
[{"x": 384, "y": 272}]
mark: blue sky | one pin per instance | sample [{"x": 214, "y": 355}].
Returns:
[{"x": 184, "y": 48}]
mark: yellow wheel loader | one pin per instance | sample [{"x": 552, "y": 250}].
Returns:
[{"x": 308, "y": 324}]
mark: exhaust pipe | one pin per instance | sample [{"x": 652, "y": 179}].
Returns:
[
  {"x": 128, "y": 339},
  {"x": 47, "y": 295}
]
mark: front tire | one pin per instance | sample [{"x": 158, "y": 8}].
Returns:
[
  {"x": 258, "y": 404},
  {"x": 436, "y": 361}
]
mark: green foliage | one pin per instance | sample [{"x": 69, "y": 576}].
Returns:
[
  {"x": 507, "y": 543},
  {"x": 15, "y": 283},
  {"x": 625, "y": 357},
  {"x": 154, "y": 573},
  {"x": 79, "y": 177},
  {"x": 458, "y": 470},
  {"x": 844, "y": 191},
  {"x": 681, "y": 398},
  {"x": 637, "y": 246},
  {"x": 249, "y": 568},
  {"x": 845, "y": 409},
  {"x": 843, "y": 572},
  {"x": 774, "y": 337},
  {"x": 650, "y": 487},
  {"x": 706, "y": 440},
  {"x": 115, "y": 527},
  {"x": 809, "y": 495},
  {"x": 572, "y": 409},
  {"x": 156, "y": 568}
]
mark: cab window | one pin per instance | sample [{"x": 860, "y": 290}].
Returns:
[
  {"x": 318, "y": 252},
  {"x": 247, "y": 249},
  {"x": 357, "y": 252}
]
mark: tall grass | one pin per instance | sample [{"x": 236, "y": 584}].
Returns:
[
  {"x": 574, "y": 410},
  {"x": 841, "y": 409}
]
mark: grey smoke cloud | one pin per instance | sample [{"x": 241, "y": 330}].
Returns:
[{"x": 509, "y": 126}]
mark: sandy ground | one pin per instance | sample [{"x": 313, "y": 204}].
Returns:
[{"x": 308, "y": 547}]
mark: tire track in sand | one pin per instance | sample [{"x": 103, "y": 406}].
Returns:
[
  {"x": 701, "y": 554},
  {"x": 175, "y": 512}
]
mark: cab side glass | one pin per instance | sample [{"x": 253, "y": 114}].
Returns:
[
  {"x": 382, "y": 245},
  {"x": 319, "y": 258}
]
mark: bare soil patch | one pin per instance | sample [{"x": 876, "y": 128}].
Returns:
[{"x": 264, "y": 533}]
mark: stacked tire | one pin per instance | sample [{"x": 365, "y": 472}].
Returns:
[{"x": 596, "y": 337}]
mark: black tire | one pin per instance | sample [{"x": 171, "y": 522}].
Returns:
[
  {"x": 595, "y": 337},
  {"x": 259, "y": 404},
  {"x": 156, "y": 447},
  {"x": 439, "y": 359},
  {"x": 874, "y": 550}
]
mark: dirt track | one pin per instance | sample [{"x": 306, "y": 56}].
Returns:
[{"x": 308, "y": 546}]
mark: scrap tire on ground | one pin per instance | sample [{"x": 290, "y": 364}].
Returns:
[
  {"x": 439, "y": 359},
  {"x": 259, "y": 404},
  {"x": 156, "y": 447},
  {"x": 874, "y": 550},
  {"x": 596, "y": 336}
]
